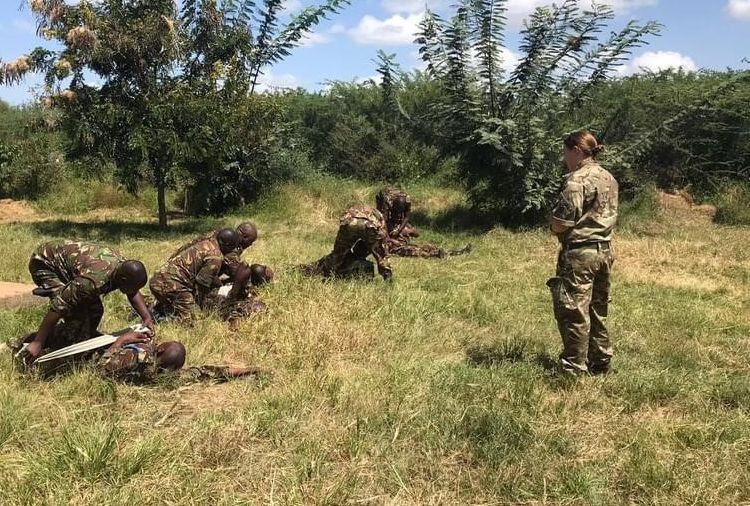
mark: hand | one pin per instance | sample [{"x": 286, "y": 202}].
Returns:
[
  {"x": 32, "y": 352},
  {"x": 388, "y": 276},
  {"x": 151, "y": 326},
  {"x": 131, "y": 338}
]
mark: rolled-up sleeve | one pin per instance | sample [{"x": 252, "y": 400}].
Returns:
[{"x": 569, "y": 207}]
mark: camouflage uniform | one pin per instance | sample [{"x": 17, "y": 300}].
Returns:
[
  {"x": 244, "y": 306},
  {"x": 580, "y": 289},
  {"x": 361, "y": 232},
  {"x": 137, "y": 363},
  {"x": 77, "y": 274},
  {"x": 186, "y": 278},
  {"x": 399, "y": 244}
]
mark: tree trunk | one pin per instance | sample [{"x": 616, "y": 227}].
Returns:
[{"x": 161, "y": 202}]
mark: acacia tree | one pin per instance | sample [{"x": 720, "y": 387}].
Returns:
[
  {"x": 129, "y": 70},
  {"x": 508, "y": 128}
]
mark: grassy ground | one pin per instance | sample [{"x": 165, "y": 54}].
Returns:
[{"x": 435, "y": 390}]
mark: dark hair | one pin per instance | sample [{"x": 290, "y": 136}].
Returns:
[
  {"x": 131, "y": 276},
  {"x": 170, "y": 355},
  {"x": 248, "y": 233},
  {"x": 228, "y": 240},
  {"x": 260, "y": 274},
  {"x": 585, "y": 141}
]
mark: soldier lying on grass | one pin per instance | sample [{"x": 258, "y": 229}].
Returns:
[
  {"x": 136, "y": 358},
  {"x": 233, "y": 305}
]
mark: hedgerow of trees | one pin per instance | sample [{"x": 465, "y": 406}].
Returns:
[{"x": 176, "y": 104}]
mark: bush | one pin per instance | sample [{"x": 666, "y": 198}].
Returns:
[{"x": 733, "y": 205}]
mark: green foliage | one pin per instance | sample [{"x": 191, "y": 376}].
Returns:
[
  {"x": 509, "y": 131},
  {"x": 733, "y": 205},
  {"x": 160, "y": 65}
]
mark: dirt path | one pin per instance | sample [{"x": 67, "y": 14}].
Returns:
[{"x": 17, "y": 294}]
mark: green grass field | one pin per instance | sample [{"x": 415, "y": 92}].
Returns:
[{"x": 435, "y": 390}]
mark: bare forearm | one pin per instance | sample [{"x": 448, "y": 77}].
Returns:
[
  {"x": 139, "y": 304},
  {"x": 46, "y": 327}
]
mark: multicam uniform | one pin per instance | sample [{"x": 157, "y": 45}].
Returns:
[
  {"x": 361, "y": 232},
  {"x": 186, "y": 278},
  {"x": 77, "y": 274},
  {"x": 580, "y": 289},
  {"x": 137, "y": 363},
  {"x": 399, "y": 243}
]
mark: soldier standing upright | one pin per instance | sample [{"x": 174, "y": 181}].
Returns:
[{"x": 584, "y": 220}]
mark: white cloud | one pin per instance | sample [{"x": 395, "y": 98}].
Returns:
[
  {"x": 739, "y": 9},
  {"x": 412, "y": 6},
  {"x": 655, "y": 61},
  {"x": 290, "y": 7},
  {"x": 269, "y": 82},
  {"x": 336, "y": 29},
  {"x": 314, "y": 39},
  {"x": 394, "y": 31},
  {"x": 519, "y": 10}
]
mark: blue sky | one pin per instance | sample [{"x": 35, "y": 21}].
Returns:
[{"x": 712, "y": 34}]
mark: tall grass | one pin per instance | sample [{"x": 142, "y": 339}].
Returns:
[{"x": 434, "y": 390}]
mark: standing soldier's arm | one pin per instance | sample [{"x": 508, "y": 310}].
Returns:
[{"x": 568, "y": 210}]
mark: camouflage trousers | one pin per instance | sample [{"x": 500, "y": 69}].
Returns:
[
  {"x": 580, "y": 299},
  {"x": 350, "y": 250},
  {"x": 172, "y": 299},
  {"x": 401, "y": 247},
  {"x": 244, "y": 306}
]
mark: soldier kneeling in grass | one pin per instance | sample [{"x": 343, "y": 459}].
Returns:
[
  {"x": 362, "y": 232},
  {"x": 190, "y": 274},
  {"x": 75, "y": 275}
]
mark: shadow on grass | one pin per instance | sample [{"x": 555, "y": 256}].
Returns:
[
  {"x": 458, "y": 218},
  {"x": 115, "y": 230}
]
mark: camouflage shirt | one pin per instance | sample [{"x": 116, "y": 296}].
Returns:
[
  {"x": 369, "y": 224},
  {"x": 232, "y": 260},
  {"x": 587, "y": 205},
  {"x": 86, "y": 269},
  {"x": 197, "y": 264},
  {"x": 137, "y": 363},
  {"x": 384, "y": 202}
]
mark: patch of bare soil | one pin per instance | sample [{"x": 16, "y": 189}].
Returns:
[
  {"x": 17, "y": 294},
  {"x": 682, "y": 204},
  {"x": 13, "y": 211}
]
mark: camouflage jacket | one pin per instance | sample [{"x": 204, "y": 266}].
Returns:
[
  {"x": 137, "y": 363},
  {"x": 232, "y": 260},
  {"x": 384, "y": 202},
  {"x": 373, "y": 227},
  {"x": 86, "y": 270},
  {"x": 199, "y": 263},
  {"x": 587, "y": 205}
]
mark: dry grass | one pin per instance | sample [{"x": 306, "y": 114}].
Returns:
[{"x": 372, "y": 399}]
